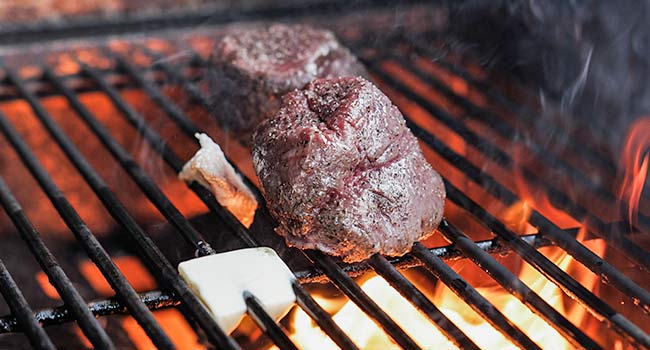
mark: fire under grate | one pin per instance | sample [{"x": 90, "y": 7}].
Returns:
[{"x": 153, "y": 68}]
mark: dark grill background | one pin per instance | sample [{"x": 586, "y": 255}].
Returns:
[{"x": 90, "y": 149}]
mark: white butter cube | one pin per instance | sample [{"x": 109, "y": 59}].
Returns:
[{"x": 220, "y": 280}]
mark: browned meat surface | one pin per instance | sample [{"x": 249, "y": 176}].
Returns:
[
  {"x": 343, "y": 174},
  {"x": 252, "y": 68}
]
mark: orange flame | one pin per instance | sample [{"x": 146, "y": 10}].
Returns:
[
  {"x": 516, "y": 217},
  {"x": 634, "y": 161},
  {"x": 536, "y": 196},
  {"x": 367, "y": 335},
  {"x": 582, "y": 274}
]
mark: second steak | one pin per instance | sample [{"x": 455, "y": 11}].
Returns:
[
  {"x": 251, "y": 68},
  {"x": 343, "y": 174}
]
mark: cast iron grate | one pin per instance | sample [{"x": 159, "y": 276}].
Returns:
[{"x": 400, "y": 51}]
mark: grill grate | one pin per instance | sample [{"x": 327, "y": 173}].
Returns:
[
  {"x": 23, "y": 312},
  {"x": 404, "y": 54}
]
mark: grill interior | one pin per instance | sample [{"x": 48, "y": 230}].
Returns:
[{"x": 94, "y": 133}]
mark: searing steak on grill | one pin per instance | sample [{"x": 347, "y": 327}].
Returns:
[
  {"x": 252, "y": 68},
  {"x": 343, "y": 174}
]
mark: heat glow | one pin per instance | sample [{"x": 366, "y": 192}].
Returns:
[{"x": 367, "y": 335}]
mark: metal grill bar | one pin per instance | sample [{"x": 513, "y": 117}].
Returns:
[
  {"x": 81, "y": 27},
  {"x": 417, "y": 298},
  {"x": 173, "y": 161},
  {"x": 137, "y": 173},
  {"x": 526, "y": 113},
  {"x": 113, "y": 275},
  {"x": 576, "y": 210},
  {"x": 558, "y": 236},
  {"x": 517, "y": 288},
  {"x": 267, "y": 324},
  {"x": 148, "y": 186},
  {"x": 178, "y": 116},
  {"x": 154, "y": 300},
  {"x": 503, "y": 128},
  {"x": 322, "y": 318},
  {"x": 154, "y": 256},
  {"x": 491, "y": 246},
  {"x": 24, "y": 314},
  {"x": 73, "y": 300},
  {"x": 157, "y": 96},
  {"x": 365, "y": 303},
  {"x": 618, "y": 240},
  {"x": 87, "y": 322},
  {"x": 472, "y": 297},
  {"x": 192, "y": 90}
]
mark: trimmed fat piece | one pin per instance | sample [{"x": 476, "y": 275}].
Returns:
[
  {"x": 210, "y": 168},
  {"x": 343, "y": 174},
  {"x": 251, "y": 68}
]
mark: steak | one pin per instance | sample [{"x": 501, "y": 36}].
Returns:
[
  {"x": 251, "y": 68},
  {"x": 343, "y": 174}
]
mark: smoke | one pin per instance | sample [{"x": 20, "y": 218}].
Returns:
[{"x": 590, "y": 57}]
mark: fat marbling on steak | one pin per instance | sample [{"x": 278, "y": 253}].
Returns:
[
  {"x": 343, "y": 174},
  {"x": 251, "y": 68}
]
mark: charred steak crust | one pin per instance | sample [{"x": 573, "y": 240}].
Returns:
[
  {"x": 252, "y": 68},
  {"x": 343, "y": 174}
]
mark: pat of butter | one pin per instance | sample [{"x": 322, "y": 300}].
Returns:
[{"x": 220, "y": 280}]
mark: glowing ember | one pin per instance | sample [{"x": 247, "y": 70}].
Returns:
[
  {"x": 634, "y": 162},
  {"x": 363, "y": 331}
]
